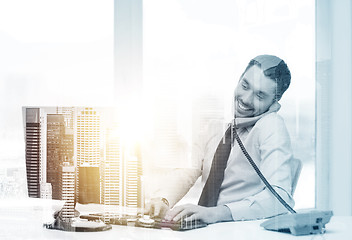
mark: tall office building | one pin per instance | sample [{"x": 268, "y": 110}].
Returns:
[
  {"x": 88, "y": 137},
  {"x": 122, "y": 172},
  {"x": 112, "y": 188},
  {"x": 32, "y": 142},
  {"x": 132, "y": 180},
  {"x": 67, "y": 189},
  {"x": 167, "y": 145},
  {"x": 69, "y": 115},
  {"x": 48, "y": 144},
  {"x": 46, "y": 191},
  {"x": 43, "y": 145},
  {"x": 89, "y": 184},
  {"x": 55, "y": 157},
  {"x": 67, "y": 150},
  {"x": 87, "y": 141}
]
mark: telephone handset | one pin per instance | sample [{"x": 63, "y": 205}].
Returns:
[{"x": 303, "y": 223}]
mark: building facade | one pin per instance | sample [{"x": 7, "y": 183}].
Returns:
[{"x": 32, "y": 142}]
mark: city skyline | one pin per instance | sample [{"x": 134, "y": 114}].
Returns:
[{"x": 76, "y": 154}]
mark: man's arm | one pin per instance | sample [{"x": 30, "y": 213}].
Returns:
[
  {"x": 175, "y": 183},
  {"x": 275, "y": 164},
  {"x": 261, "y": 205},
  {"x": 172, "y": 186}
]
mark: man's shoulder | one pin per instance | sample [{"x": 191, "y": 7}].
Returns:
[
  {"x": 212, "y": 131},
  {"x": 271, "y": 124},
  {"x": 271, "y": 119},
  {"x": 215, "y": 127}
]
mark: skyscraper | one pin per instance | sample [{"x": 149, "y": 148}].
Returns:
[
  {"x": 112, "y": 189},
  {"x": 69, "y": 115},
  {"x": 167, "y": 144},
  {"x": 32, "y": 142},
  {"x": 122, "y": 171},
  {"x": 132, "y": 179},
  {"x": 55, "y": 158},
  {"x": 89, "y": 184},
  {"x": 88, "y": 137},
  {"x": 46, "y": 191},
  {"x": 67, "y": 187},
  {"x": 67, "y": 150},
  {"x": 87, "y": 141}
]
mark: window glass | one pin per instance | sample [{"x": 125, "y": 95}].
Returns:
[
  {"x": 53, "y": 53},
  {"x": 194, "y": 53}
]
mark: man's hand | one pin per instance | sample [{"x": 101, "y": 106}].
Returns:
[
  {"x": 206, "y": 214},
  {"x": 157, "y": 207}
]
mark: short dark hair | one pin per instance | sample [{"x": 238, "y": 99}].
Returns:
[{"x": 279, "y": 73}]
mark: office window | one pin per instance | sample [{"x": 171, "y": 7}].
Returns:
[
  {"x": 60, "y": 53},
  {"x": 53, "y": 53},
  {"x": 193, "y": 55}
]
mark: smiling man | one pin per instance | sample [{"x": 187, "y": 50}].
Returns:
[{"x": 232, "y": 189}]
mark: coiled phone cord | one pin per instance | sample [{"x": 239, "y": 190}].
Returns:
[{"x": 267, "y": 184}]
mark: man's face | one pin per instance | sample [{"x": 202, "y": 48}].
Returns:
[{"x": 254, "y": 93}]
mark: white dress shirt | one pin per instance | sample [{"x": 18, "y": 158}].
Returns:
[{"x": 242, "y": 191}]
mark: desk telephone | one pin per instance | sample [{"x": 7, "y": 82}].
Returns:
[{"x": 303, "y": 223}]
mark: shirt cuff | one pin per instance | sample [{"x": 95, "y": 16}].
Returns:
[
  {"x": 263, "y": 205},
  {"x": 240, "y": 210}
]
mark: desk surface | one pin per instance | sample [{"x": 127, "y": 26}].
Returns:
[{"x": 25, "y": 222}]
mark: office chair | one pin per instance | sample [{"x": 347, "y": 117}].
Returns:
[{"x": 295, "y": 173}]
